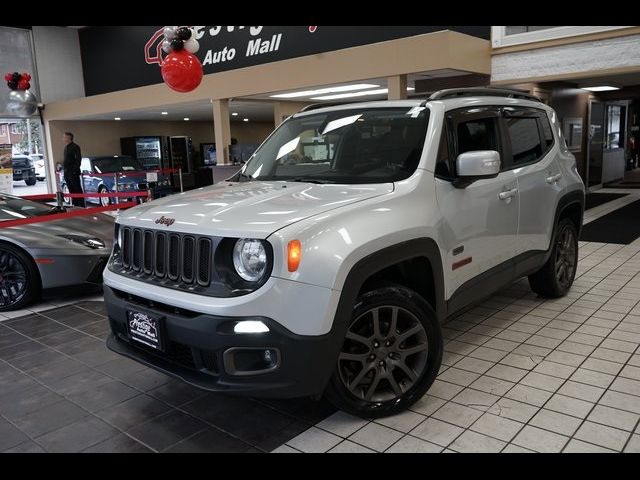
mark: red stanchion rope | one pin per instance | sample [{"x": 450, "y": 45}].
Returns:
[
  {"x": 87, "y": 195},
  {"x": 62, "y": 216}
]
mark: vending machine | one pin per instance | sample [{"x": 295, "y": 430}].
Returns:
[{"x": 152, "y": 152}]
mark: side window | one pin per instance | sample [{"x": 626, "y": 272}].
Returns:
[
  {"x": 477, "y": 134},
  {"x": 546, "y": 131},
  {"x": 526, "y": 145}
]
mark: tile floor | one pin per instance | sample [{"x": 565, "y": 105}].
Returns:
[{"x": 519, "y": 374}]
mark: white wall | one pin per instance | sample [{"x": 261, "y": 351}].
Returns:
[
  {"x": 612, "y": 53},
  {"x": 57, "y": 52}
]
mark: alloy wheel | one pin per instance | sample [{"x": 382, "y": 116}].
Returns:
[
  {"x": 565, "y": 257},
  {"x": 13, "y": 279},
  {"x": 384, "y": 354}
]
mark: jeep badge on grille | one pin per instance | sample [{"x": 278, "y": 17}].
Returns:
[{"x": 165, "y": 221}]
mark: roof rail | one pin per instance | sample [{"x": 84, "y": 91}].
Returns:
[
  {"x": 317, "y": 106},
  {"x": 482, "y": 91}
]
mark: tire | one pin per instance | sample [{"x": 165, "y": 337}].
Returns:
[
  {"x": 104, "y": 201},
  {"x": 19, "y": 278},
  {"x": 556, "y": 277},
  {"x": 30, "y": 181},
  {"x": 366, "y": 359}
]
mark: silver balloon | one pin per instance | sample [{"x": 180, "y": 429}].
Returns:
[
  {"x": 22, "y": 103},
  {"x": 170, "y": 32},
  {"x": 192, "y": 45},
  {"x": 166, "y": 46}
]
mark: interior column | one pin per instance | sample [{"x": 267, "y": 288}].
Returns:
[
  {"x": 282, "y": 110},
  {"x": 222, "y": 128},
  {"x": 397, "y": 87}
]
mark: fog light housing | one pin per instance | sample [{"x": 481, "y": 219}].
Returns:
[{"x": 240, "y": 361}]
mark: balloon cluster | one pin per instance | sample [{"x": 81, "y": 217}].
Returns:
[
  {"x": 18, "y": 81},
  {"x": 181, "y": 69},
  {"x": 179, "y": 38}
]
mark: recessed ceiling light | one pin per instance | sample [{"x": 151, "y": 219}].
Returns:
[
  {"x": 165, "y": 113},
  {"x": 309, "y": 93},
  {"x": 603, "y": 88},
  {"x": 380, "y": 91},
  {"x": 234, "y": 114},
  {"x": 117, "y": 118},
  {"x": 245, "y": 119},
  {"x": 186, "y": 119}
]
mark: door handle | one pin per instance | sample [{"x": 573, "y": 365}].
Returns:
[
  {"x": 506, "y": 195},
  {"x": 554, "y": 178}
]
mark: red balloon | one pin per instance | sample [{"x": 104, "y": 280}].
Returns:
[
  {"x": 26, "y": 76},
  {"x": 8, "y": 77},
  {"x": 23, "y": 84},
  {"x": 182, "y": 71}
]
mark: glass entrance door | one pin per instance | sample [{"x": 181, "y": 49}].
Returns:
[{"x": 595, "y": 150}]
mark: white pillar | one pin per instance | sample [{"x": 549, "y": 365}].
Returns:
[
  {"x": 397, "y": 87},
  {"x": 222, "y": 128}
]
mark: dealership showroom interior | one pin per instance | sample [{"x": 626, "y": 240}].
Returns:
[{"x": 320, "y": 239}]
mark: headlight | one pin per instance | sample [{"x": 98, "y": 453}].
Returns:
[
  {"x": 87, "y": 242},
  {"x": 250, "y": 259}
]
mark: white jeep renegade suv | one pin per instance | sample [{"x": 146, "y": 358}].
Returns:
[{"x": 327, "y": 264}]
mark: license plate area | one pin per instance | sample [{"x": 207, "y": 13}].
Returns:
[{"x": 145, "y": 329}]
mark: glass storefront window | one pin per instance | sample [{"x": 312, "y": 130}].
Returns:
[{"x": 613, "y": 140}]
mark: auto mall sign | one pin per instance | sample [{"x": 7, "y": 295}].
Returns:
[
  {"x": 224, "y": 48},
  {"x": 255, "y": 43}
]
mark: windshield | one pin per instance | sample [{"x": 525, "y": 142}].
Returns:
[
  {"x": 116, "y": 164},
  {"x": 14, "y": 208},
  {"x": 366, "y": 145}
]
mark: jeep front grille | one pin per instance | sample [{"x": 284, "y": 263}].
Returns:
[{"x": 185, "y": 259}]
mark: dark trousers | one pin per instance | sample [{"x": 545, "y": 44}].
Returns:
[{"x": 74, "y": 186}]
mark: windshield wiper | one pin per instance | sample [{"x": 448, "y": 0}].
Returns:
[
  {"x": 247, "y": 178},
  {"x": 311, "y": 180}
]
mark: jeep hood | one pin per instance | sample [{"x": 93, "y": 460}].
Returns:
[{"x": 248, "y": 209}]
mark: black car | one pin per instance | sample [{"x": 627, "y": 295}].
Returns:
[{"x": 24, "y": 169}]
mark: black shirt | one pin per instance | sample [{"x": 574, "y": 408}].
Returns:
[{"x": 72, "y": 159}]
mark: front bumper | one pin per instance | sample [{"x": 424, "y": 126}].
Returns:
[
  {"x": 25, "y": 174},
  {"x": 195, "y": 344}
]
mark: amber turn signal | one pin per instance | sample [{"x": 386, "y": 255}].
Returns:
[{"x": 294, "y": 254}]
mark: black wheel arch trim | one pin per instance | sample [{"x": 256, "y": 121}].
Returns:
[
  {"x": 572, "y": 198},
  {"x": 387, "y": 257}
]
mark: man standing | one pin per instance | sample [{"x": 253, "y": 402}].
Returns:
[{"x": 71, "y": 166}]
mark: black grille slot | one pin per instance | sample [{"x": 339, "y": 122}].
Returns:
[
  {"x": 161, "y": 254},
  {"x": 126, "y": 247},
  {"x": 147, "y": 264},
  {"x": 188, "y": 253},
  {"x": 174, "y": 257},
  {"x": 209, "y": 360},
  {"x": 137, "y": 250},
  {"x": 204, "y": 261}
]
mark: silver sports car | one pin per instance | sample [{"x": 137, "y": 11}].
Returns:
[{"x": 50, "y": 254}]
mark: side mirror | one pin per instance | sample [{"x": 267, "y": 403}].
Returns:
[{"x": 476, "y": 165}]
